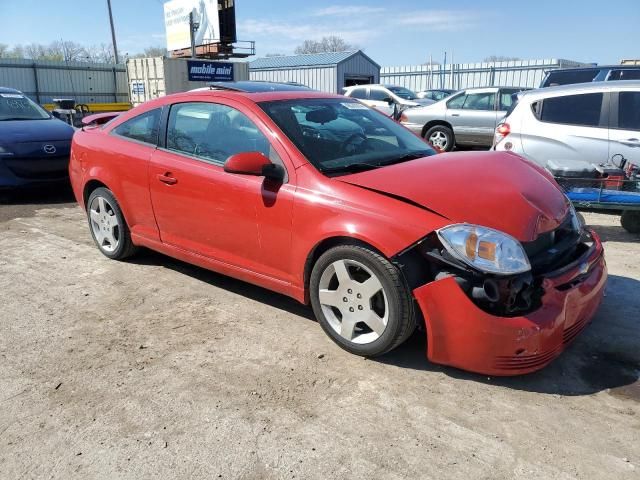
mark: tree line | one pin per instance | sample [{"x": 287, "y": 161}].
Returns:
[{"x": 68, "y": 51}]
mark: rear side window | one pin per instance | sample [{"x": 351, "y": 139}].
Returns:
[
  {"x": 629, "y": 111},
  {"x": 568, "y": 77},
  {"x": 508, "y": 100},
  {"x": 627, "y": 74},
  {"x": 457, "y": 102},
  {"x": 581, "y": 109},
  {"x": 143, "y": 128},
  {"x": 358, "y": 93},
  {"x": 480, "y": 101}
]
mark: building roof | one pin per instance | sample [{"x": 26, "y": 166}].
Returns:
[{"x": 306, "y": 60}]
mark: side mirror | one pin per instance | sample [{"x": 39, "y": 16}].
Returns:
[
  {"x": 254, "y": 163},
  {"x": 389, "y": 100}
]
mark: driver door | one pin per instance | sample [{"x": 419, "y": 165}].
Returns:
[{"x": 200, "y": 208}]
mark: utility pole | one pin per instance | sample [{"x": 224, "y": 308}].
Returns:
[
  {"x": 193, "y": 28},
  {"x": 113, "y": 33}
]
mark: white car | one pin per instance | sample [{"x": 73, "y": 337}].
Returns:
[
  {"x": 593, "y": 123},
  {"x": 386, "y": 98}
]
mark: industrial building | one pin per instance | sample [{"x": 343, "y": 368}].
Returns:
[{"x": 327, "y": 72}]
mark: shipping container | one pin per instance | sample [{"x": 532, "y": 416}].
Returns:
[{"x": 159, "y": 76}]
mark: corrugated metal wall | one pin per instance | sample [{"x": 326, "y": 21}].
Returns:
[
  {"x": 520, "y": 73},
  {"x": 319, "y": 78},
  {"x": 357, "y": 66},
  {"x": 85, "y": 82}
]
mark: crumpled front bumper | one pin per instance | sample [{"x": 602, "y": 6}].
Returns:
[{"x": 462, "y": 335}]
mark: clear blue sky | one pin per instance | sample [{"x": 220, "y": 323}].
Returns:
[{"x": 392, "y": 33}]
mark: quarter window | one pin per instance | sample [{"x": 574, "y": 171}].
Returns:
[
  {"x": 573, "y": 109},
  {"x": 626, "y": 74},
  {"x": 629, "y": 111},
  {"x": 214, "y": 132},
  {"x": 143, "y": 128}
]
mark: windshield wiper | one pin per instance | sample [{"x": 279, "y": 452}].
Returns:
[
  {"x": 406, "y": 157},
  {"x": 19, "y": 118},
  {"x": 352, "y": 167}
]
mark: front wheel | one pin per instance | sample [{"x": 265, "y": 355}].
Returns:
[
  {"x": 440, "y": 136},
  {"x": 361, "y": 301}
]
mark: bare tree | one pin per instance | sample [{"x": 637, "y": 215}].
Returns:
[
  {"x": 326, "y": 44},
  {"x": 274, "y": 55},
  {"x": 4, "y": 50},
  {"x": 499, "y": 58},
  {"x": 151, "y": 52},
  {"x": 102, "y": 53}
]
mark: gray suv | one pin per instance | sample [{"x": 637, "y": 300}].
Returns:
[{"x": 468, "y": 117}]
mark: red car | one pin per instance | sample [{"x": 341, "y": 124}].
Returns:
[{"x": 323, "y": 199}]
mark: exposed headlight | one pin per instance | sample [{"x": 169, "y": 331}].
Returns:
[
  {"x": 485, "y": 249},
  {"x": 576, "y": 221}
]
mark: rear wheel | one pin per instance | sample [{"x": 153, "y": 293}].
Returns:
[
  {"x": 107, "y": 225},
  {"x": 440, "y": 136},
  {"x": 360, "y": 300},
  {"x": 630, "y": 221}
]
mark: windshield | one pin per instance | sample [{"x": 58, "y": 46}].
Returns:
[
  {"x": 404, "y": 93},
  {"x": 341, "y": 136},
  {"x": 15, "y": 106}
]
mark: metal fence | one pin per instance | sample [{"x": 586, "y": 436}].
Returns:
[
  {"x": 43, "y": 81},
  {"x": 456, "y": 76}
]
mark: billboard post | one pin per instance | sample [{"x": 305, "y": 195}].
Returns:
[{"x": 187, "y": 19}]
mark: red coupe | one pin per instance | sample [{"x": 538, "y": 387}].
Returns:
[{"x": 320, "y": 198}]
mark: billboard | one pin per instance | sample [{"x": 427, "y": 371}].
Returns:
[
  {"x": 209, "y": 71},
  {"x": 176, "y": 22}
]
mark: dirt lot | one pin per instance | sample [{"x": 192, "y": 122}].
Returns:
[{"x": 157, "y": 369}]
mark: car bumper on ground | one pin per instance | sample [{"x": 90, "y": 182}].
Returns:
[
  {"x": 414, "y": 127},
  {"x": 462, "y": 335}
]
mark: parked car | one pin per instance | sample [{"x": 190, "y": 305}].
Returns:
[
  {"x": 588, "y": 122},
  {"x": 436, "y": 95},
  {"x": 468, "y": 117},
  {"x": 34, "y": 146},
  {"x": 567, "y": 76},
  {"x": 386, "y": 98},
  {"x": 371, "y": 227}
]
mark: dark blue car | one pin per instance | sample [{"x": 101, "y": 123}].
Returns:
[{"x": 34, "y": 146}]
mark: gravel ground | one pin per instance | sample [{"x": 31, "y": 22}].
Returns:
[{"x": 153, "y": 368}]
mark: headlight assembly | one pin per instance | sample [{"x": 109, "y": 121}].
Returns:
[
  {"x": 485, "y": 249},
  {"x": 576, "y": 221}
]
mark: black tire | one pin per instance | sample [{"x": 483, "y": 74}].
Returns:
[
  {"x": 401, "y": 320},
  {"x": 630, "y": 221},
  {"x": 443, "y": 130},
  {"x": 125, "y": 247}
]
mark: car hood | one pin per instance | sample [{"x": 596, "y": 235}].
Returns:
[
  {"x": 19, "y": 131},
  {"x": 495, "y": 189},
  {"x": 419, "y": 102}
]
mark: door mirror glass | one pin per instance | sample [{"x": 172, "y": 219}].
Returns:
[
  {"x": 389, "y": 100},
  {"x": 253, "y": 163}
]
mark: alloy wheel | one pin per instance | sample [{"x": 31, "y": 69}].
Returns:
[
  {"x": 439, "y": 139},
  {"x": 104, "y": 224},
  {"x": 353, "y": 301}
]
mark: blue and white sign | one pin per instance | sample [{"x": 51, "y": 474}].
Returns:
[
  {"x": 137, "y": 88},
  {"x": 200, "y": 71}
]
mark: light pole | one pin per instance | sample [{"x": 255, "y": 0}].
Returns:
[
  {"x": 193, "y": 28},
  {"x": 113, "y": 33}
]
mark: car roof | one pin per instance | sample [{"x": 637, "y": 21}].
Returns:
[
  {"x": 582, "y": 88},
  {"x": 9, "y": 90},
  {"x": 254, "y": 86},
  {"x": 256, "y": 96},
  {"x": 595, "y": 67}
]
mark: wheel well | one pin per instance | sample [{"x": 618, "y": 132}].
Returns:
[
  {"x": 90, "y": 187},
  {"x": 433, "y": 123},
  {"x": 323, "y": 246}
]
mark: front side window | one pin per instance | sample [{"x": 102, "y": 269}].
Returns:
[
  {"x": 480, "y": 101},
  {"x": 625, "y": 74},
  {"x": 629, "y": 111},
  {"x": 340, "y": 136},
  {"x": 143, "y": 128},
  {"x": 15, "y": 106},
  {"x": 581, "y": 109},
  {"x": 214, "y": 132},
  {"x": 378, "y": 95},
  {"x": 457, "y": 102},
  {"x": 358, "y": 93}
]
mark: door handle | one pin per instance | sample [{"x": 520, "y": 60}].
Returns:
[
  {"x": 631, "y": 142},
  {"x": 455, "y": 114},
  {"x": 167, "y": 178}
]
